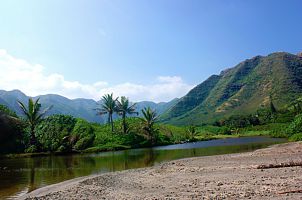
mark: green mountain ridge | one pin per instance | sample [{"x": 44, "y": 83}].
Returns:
[
  {"x": 79, "y": 108},
  {"x": 242, "y": 89}
]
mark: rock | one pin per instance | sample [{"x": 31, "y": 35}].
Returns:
[{"x": 219, "y": 184}]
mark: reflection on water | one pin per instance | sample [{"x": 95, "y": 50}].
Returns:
[{"x": 22, "y": 175}]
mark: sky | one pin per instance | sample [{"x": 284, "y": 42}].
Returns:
[{"x": 144, "y": 49}]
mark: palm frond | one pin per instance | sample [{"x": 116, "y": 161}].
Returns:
[
  {"x": 23, "y": 108},
  {"x": 39, "y": 117}
]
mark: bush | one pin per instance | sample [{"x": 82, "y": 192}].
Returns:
[
  {"x": 52, "y": 131},
  {"x": 295, "y": 126},
  {"x": 63, "y": 148},
  {"x": 296, "y": 137},
  {"x": 84, "y": 133},
  {"x": 225, "y": 131},
  {"x": 11, "y": 134},
  {"x": 84, "y": 142},
  {"x": 171, "y": 134},
  {"x": 214, "y": 130},
  {"x": 5, "y": 110},
  {"x": 241, "y": 121},
  {"x": 31, "y": 149},
  {"x": 162, "y": 139}
]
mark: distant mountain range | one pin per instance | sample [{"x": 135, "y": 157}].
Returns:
[
  {"x": 82, "y": 108},
  {"x": 242, "y": 89}
]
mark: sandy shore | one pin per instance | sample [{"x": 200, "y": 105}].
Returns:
[{"x": 232, "y": 176}]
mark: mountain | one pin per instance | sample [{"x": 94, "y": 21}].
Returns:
[
  {"x": 159, "y": 107},
  {"x": 241, "y": 90},
  {"x": 82, "y": 108}
]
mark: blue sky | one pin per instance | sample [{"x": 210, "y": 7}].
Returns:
[{"x": 147, "y": 50}]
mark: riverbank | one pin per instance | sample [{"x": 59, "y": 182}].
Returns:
[
  {"x": 225, "y": 176},
  {"x": 114, "y": 147}
]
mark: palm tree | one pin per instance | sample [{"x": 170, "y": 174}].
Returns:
[
  {"x": 296, "y": 105},
  {"x": 124, "y": 108},
  {"x": 108, "y": 107},
  {"x": 192, "y": 132},
  {"x": 33, "y": 116},
  {"x": 149, "y": 119}
]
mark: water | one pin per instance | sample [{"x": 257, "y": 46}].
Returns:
[{"x": 21, "y": 175}]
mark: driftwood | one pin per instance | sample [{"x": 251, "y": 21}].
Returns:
[
  {"x": 289, "y": 164},
  {"x": 291, "y": 191}
]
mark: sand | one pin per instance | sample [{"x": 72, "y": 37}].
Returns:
[{"x": 231, "y": 176}]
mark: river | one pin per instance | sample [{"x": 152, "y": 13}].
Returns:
[{"x": 21, "y": 175}]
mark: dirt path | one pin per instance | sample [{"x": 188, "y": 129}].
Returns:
[{"x": 232, "y": 176}]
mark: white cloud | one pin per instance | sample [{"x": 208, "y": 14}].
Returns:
[
  {"x": 169, "y": 79},
  {"x": 31, "y": 79}
]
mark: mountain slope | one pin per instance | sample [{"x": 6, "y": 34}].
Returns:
[
  {"x": 241, "y": 90},
  {"x": 196, "y": 96},
  {"x": 159, "y": 107},
  {"x": 82, "y": 108}
]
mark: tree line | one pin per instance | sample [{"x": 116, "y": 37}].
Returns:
[
  {"x": 34, "y": 116},
  {"x": 123, "y": 107},
  {"x": 62, "y": 133}
]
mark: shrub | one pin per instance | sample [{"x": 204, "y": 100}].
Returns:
[
  {"x": 84, "y": 133},
  {"x": 295, "y": 126},
  {"x": 296, "y": 137},
  {"x": 84, "y": 142},
  {"x": 11, "y": 134},
  {"x": 31, "y": 149},
  {"x": 240, "y": 121},
  {"x": 52, "y": 131},
  {"x": 63, "y": 148},
  {"x": 4, "y": 109}
]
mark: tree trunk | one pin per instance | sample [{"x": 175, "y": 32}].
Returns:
[
  {"x": 33, "y": 139},
  {"x": 150, "y": 132},
  {"x": 124, "y": 123},
  {"x": 111, "y": 119},
  {"x": 108, "y": 119}
]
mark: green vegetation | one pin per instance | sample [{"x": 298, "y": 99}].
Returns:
[
  {"x": 11, "y": 128},
  {"x": 192, "y": 132},
  {"x": 124, "y": 108},
  {"x": 5, "y": 110},
  {"x": 108, "y": 107},
  {"x": 54, "y": 131},
  {"x": 33, "y": 117},
  {"x": 148, "y": 121},
  {"x": 294, "y": 130},
  {"x": 65, "y": 133}
]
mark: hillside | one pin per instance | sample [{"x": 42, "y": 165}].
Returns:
[
  {"x": 241, "y": 90},
  {"x": 82, "y": 108},
  {"x": 159, "y": 107}
]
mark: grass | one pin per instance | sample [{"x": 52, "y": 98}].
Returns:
[
  {"x": 106, "y": 147},
  {"x": 255, "y": 133},
  {"x": 213, "y": 137},
  {"x": 210, "y": 132}
]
